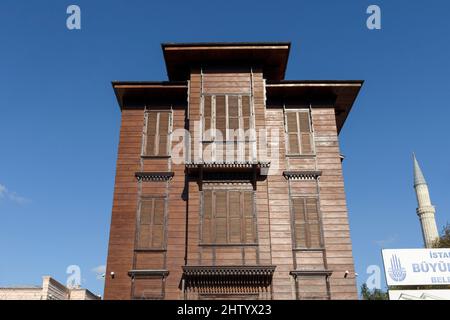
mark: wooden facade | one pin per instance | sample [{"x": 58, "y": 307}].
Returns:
[{"x": 269, "y": 224}]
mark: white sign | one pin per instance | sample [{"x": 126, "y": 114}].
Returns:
[
  {"x": 416, "y": 266},
  {"x": 443, "y": 294}
]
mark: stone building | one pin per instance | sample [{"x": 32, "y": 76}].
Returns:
[{"x": 49, "y": 290}]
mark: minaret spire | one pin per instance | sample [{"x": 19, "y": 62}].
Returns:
[
  {"x": 418, "y": 175},
  {"x": 425, "y": 209}
]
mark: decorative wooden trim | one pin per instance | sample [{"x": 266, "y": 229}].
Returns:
[
  {"x": 227, "y": 279},
  {"x": 302, "y": 175},
  {"x": 233, "y": 164},
  {"x": 148, "y": 273},
  {"x": 296, "y": 273},
  {"x": 229, "y": 270},
  {"x": 154, "y": 176},
  {"x": 237, "y": 171}
]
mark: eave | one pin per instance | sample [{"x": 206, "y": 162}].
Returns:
[
  {"x": 180, "y": 58},
  {"x": 154, "y": 91}
]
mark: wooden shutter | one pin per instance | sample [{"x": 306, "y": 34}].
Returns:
[
  {"x": 158, "y": 130},
  {"x": 312, "y": 211},
  {"x": 306, "y": 223},
  {"x": 249, "y": 221},
  {"x": 292, "y": 133},
  {"x": 151, "y": 223},
  {"x": 221, "y": 117},
  {"x": 304, "y": 121},
  {"x": 152, "y": 122},
  {"x": 233, "y": 112},
  {"x": 234, "y": 213},
  {"x": 228, "y": 217},
  {"x": 299, "y": 132},
  {"x": 226, "y": 114},
  {"x": 207, "y": 116},
  {"x": 163, "y": 133},
  {"x": 158, "y": 224},
  {"x": 305, "y": 132},
  {"x": 145, "y": 221},
  {"x": 220, "y": 209},
  {"x": 298, "y": 207},
  {"x": 246, "y": 123},
  {"x": 246, "y": 112},
  {"x": 207, "y": 217}
]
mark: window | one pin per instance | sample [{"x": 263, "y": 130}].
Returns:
[
  {"x": 298, "y": 131},
  {"x": 307, "y": 232},
  {"x": 225, "y": 113},
  {"x": 228, "y": 217},
  {"x": 226, "y": 123},
  {"x": 151, "y": 223},
  {"x": 157, "y": 133}
]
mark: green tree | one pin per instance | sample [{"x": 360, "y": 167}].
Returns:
[
  {"x": 375, "y": 294},
  {"x": 444, "y": 239}
]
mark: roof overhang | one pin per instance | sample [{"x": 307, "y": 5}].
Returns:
[
  {"x": 340, "y": 93},
  {"x": 135, "y": 92},
  {"x": 180, "y": 58}
]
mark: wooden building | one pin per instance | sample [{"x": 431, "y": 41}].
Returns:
[{"x": 270, "y": 223}]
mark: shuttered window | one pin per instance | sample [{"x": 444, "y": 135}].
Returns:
[
  {"x": 228, "y": 217},
  {"x": 225, "y": 113},
  {"x": 298, "y": 131},
  {"x": 226, "y": 123},
  {"x": 306, "y": 224},
  {"x": 151, "y": 223},
  {"x": 157, "y": 133}
]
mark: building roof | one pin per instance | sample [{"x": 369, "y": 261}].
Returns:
[
  {"x": 150, "y": 90},
  {"x": 341, "y": 93},
  {"x": 272, "y": 57},
  {"x": 418, "y": 175}
]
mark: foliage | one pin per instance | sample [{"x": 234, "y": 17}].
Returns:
[
  {"x": 375, "y": 294},
  {"x": 444, "y": 239}
]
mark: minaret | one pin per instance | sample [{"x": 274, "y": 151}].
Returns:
[{"x": 425, "y": 209}]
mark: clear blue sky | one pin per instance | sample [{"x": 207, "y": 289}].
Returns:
[{"x": 59, "y": 121}]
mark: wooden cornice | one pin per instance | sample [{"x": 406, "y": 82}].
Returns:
[
  {"x": 216, "y": 279},
  {"x": 154, "y": 176},
  {"x": 302, "y": 175},
  {"x": 240, "y": 270},
  {"x": 233, "y": 164},
  {"x": 296, "y": 273},
  {"x": 251, "y": 171},
  {"x": 148, "y": 273}
]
